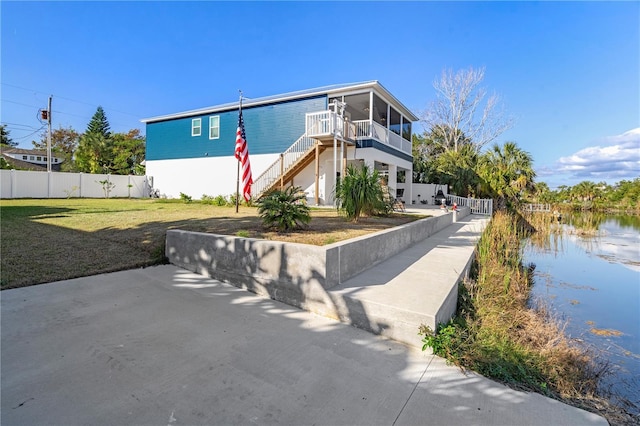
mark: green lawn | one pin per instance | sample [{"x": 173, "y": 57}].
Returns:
[{"x": 51, "y": 240}]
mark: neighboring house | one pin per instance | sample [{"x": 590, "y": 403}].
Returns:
[
  {"x": 29, "y": 159},
  {"x": 303, "y": 138}
]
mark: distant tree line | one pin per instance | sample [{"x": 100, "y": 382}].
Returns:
[
  {"x": 588, "y": 195},
  {"x": 97, "y": 150}
]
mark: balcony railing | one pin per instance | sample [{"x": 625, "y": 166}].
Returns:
[
  {"x": 328, "y": 123},
  {"x": 371, "y": 129}
]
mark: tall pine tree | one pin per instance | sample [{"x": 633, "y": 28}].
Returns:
[
  {"x": 99, "y": 125},
  {"x": 95, "y": 153},
  {"x": 6, "y": 139}
]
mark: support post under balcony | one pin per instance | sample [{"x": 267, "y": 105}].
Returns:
[{"x": 317, "y": 197}]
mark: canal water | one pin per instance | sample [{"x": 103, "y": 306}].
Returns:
[{"x": 588, "y": 273}]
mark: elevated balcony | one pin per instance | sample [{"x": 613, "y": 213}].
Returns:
[
  {"x": 325, "y": 125},
  {"x": 368, "y": 129}
]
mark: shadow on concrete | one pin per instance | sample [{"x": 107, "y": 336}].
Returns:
[{"x": 162, "y": 345}]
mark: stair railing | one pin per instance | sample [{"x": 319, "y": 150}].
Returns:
[{"x": 282, "y": 165}]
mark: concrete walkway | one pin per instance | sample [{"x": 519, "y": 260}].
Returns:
[
  {"x": 163, "y": 346},
  {"x": 417, "y": 286}
]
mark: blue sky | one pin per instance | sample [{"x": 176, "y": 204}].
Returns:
[{"x": 569, "y": 72}]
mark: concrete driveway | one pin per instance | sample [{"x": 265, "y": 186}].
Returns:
[{"x": 163, "y": 346}]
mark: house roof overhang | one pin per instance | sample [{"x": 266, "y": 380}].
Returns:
[{"x": 325, "y": 90}]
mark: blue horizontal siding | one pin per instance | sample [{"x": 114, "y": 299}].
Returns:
[{"x": 269, "y": 129}]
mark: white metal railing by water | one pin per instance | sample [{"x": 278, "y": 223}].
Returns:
[
  {"x": 369, "y": 129},
  {"x": 482, "y": 206},
  {"x": 282, "y": 164},
  {"x": 536, "y": 207}
]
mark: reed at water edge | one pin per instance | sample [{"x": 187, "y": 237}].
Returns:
[{"x": 498, "y": 333}]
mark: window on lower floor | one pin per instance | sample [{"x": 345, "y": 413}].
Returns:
[{"x": 214, "y": 127}]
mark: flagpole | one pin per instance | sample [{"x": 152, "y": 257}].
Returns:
[{"x": 238, "y": 173}]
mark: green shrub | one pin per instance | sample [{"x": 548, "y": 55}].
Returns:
[
  {"x": 360, "y": 191},
  {"x": 231, "y": 200},
  {"x": 220, "y": 201},
  {"x": 284, "y": 209},
  {"x": 185, "y": 198}
]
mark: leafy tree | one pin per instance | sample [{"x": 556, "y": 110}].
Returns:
[
  {"x": 128, "y": 153},
  {"x": 4, "y": 165},
  {"x": 94, "y": 154},
  {"x": 5, "y": 139},
  {"x": 284, "y": 209},
  {"x": 64, "y": 142},
  {"x": 425, "y": 151},
  {"x": 100, "y": 151},
  {"x": 360, "y": 191},
  {"x": 506, "y": 173},
  {"x": 463, "y": 110}
]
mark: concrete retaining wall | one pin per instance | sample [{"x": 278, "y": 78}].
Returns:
[{"x": 295, "y": 274}]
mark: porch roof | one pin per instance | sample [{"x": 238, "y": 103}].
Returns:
[{"x": 325, "y": 90}]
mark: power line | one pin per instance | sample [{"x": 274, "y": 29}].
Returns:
[
  {"x": 19, "y": 103},
  {"x": 18, "y": 125},
  {"x": 73, "y": 100},
  {"x": 30, "y": 134}
]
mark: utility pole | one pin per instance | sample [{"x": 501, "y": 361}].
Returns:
[{"x": 49, "y": 134}]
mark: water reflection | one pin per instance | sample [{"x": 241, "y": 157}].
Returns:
[{"x": 588, "y": 271}]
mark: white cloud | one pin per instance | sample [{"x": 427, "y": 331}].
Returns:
[{"x": 615, "y": 159}]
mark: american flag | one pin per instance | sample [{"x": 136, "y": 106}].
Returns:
[{"x": 242, "y": 154}]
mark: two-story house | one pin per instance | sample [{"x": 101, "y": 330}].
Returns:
[{"x": 305, "y": 138}]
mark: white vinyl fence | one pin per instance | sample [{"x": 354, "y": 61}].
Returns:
[
  {"x": 29, "y": 184},
  {"x": 477, "y": 205}
]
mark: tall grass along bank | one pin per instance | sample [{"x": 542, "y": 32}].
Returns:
[{"x": 497, "y": 332}]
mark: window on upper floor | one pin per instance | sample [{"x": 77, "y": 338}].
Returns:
[
  {"x": 357, "y": 106},
  {"x": 38, "y": 158},
  {"x": 394, "y": 121},
  {"x": 379, "y": 111},
  {"x": 24, "y": 157},
  {"x": 31, "y": 157},
  {"x": 214, "y": 127},
  {"x": 196, "y": 127},
  {"x": 406, "y": 128}
]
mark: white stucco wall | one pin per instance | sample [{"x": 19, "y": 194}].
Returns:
[
  {"x": 217, "y": 175},
  {"x": 197, "y": 176}
]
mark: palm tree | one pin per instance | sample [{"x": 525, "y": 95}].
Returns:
[
  {"x": 458, "y": 170},
  {"x": 360, "y": 192},
  {"x": 507, "y": 173},
  {"x": 284, "y": 209}
]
